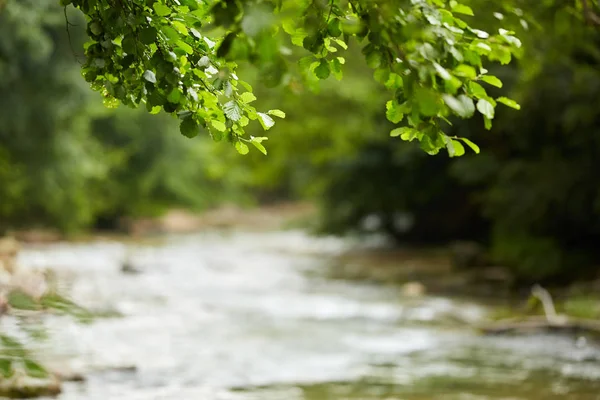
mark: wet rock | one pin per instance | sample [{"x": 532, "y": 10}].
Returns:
[
  {"x": 128, "y": 268},
  {"x": 413, "y": 289},
  {"x": 70, "y": 377},
  {"x": 20, "y": 386}
]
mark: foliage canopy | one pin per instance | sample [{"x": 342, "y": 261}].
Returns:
[{"x": 182, "y": 57}]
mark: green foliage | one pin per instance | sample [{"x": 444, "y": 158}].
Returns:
[
  {"x": 533, "y": 195},
  {"x": 66, "y": 161},
  {"x": 48, "y": 165},
  {"x": 182, "y": 58},
  {"x": 14, "y": 353}
]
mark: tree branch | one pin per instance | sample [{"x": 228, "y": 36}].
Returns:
[{"x": 590, "y": 16}]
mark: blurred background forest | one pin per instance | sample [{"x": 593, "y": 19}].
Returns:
[{"x": 532, "y": 196}]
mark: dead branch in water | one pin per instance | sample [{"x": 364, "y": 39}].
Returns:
[{"x": 550, "y": 322}]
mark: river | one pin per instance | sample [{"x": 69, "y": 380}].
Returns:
[{"x": 240, "y": 316}]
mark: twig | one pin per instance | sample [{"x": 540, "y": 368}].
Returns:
[
  {"x": 544, "y": 296},
  {"x": 68, "y": 24},
  {"x": 589, "y": 14}
]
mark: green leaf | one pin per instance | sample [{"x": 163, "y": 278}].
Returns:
[
  {"x": 462, "y": 105},
  {"x": 276, "y": 113},
  {"x": 374, "y": 59},
  {"x": 6, "y": 368},
  {"x": 334, "y": 28},
  {"x": 34, "y": 369},
  {"x": 241, "y": 148},
  {"x": 340, "y": 43},
  {"x": 185, "y": 47},
  {"x": 247, "y": 97},
  {"x": 12, "y": 346},
  {"x": 313, "y": 43},
  {"x": 149, "y": 76},
  {"x": 189, "y": 128},
  {"x": 129, "y": 44},
  {"x": 480, "y": 48},
  {"x": 465, "y": 71},
  {"x": 265, "y": 120},
  {"x": 428, "y": 101},
  {"x": 509, "y": 102},
  {"x": 218, "y": 125},
  {"x": 22, "y": 301},
  {"x": 492, "y": 80},
  {"x": 429, "y": 146},
  {"x": 256, "y": 141},
  {"x": 232, "y": 111},
  {"x": 155, "y": 110},
  {"x": 195, "y": 33},
  {"x": 452, "y": 85},
  {"x": 322, "y": 70},
  {"x": 180, "y": 27},
  {"x": 394, "y": 111},
  {"x": 161, "y": 10},
  {"x": 174, "y": 96},
  {"x": 500, "y": 53},
  {"x": 171, "y": 34},
  {"x": 336, "y": 68},
  {"x": 226, "y": 45},
  {"x": 477, "y": 90},
  {"x": 487, "y": 123},
  {"x": 458, "y": 148},
  {"x": 442, "y": 72},
  {"x": 148, "y": 35},
  {"x": 225, "y": 13},
  {"x": 405, "y": 133},
  {"x": 486, "y": 108},
  {"x": 472, "y": 145},
  {"x": 462, "y": 9}
]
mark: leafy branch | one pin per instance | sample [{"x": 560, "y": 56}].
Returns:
[{"x": 182, "y": 58}]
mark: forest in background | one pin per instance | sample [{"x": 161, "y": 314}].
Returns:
[{"x": 531, "y": 196}]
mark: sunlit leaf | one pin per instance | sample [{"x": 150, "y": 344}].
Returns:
[
  {"x": 492, "y": 80},
  {"x": 462, "y": 105},
  {"x": 472, "y": 145},
  {"x": 265, "y": 120},
  {"x": 241, "y": 148},
  {"x": 462, "y": 9},
  {"x": 232, "y": 110},
  {"x": 256, "y": 141},
  {"x": 149, "y": 76},
  {"x": 218, "y": 125},
  {"x": 276, "y": 113},
  {"x": 394, "y": 111},
  {"x": 160, "y": 9},
  {"x": 247, "y": 97},
  {"x": 509, "y": 102},
  {"x": 485, "y": 108}
]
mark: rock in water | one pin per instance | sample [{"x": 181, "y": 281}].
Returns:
[
  {"x": 9, "y": 248},
  {"x": 23, "y": 387},
  {"x": 128, "y": 268},
  {"x": 413, "y": 289}
]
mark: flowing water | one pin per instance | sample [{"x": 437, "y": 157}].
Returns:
[{"x": 252, "y": 316}]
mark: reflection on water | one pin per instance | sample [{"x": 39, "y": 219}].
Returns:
[{"x": 250, "y": 316}]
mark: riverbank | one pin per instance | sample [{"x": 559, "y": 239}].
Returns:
[
  {"x": 441, "y": 271},
  {"x": 177, "y": 221}
]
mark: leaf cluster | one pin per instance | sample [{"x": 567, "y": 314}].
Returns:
[{"x": 182, "y": 57}]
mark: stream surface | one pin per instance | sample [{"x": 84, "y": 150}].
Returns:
[{"x": 240, "y": 316}]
